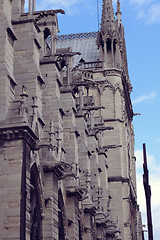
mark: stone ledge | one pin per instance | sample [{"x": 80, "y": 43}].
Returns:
[
  {"x": 21, "y": 132},
  {"x": 118, "y": 179}
]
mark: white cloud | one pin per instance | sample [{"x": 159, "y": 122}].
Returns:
[
  {"x": 142, "y": 2},
  {"x": 144, "y": 98},
  {"x": 147, "y": 10},
  {"x": 154, "y": 13},
  {"x": 151, "y": 161},
  {"x": 69, "y": 6},
  {"x": 154, "y": 176}
]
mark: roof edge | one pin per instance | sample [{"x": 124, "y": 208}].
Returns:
[{"x": 65, "y": 37}]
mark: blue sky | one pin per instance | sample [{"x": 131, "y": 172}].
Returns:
[{"x": 141, "y": 19}]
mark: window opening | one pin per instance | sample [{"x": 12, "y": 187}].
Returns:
[
  {"x": 108, "y": 45},
  {"x": 35, "y": 217}
]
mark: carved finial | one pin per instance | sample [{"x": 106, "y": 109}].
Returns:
[
  {"x": 87, "y": 176},
  {"x": 118, "y": 7},
  {"x": 34, "y": 106},
  {"x": 59, "y": 142},
  {"x": 34, "y": 115},
  {"x": 51, "y": 127},
  {"x": 24, "y": 93},
  {"x": 118, "y": 13},
  {"x": 51, "y": 135},
  {"x": 109, "y": 205},
  {"x": 99, "y": 198},
  {"x": 100, "y": 139},
  {"x": 23, "y": 109}
]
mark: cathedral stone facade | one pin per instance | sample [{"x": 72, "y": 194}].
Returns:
[{"x": 67, "y": 164}]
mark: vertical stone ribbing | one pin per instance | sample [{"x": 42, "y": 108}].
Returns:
[{"x": 11, "y": 160}]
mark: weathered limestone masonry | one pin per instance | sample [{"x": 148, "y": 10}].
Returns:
[{"x": 67, "y": 165}]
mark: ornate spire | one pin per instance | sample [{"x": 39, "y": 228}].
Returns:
[
  {"x": 118, "y": 7},
  {"x": 118, "y": 13},
  {"x": 108, "y": 20}
]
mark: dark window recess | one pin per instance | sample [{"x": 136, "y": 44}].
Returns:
[
  {"x": 61, "y": 217},
  {"x": 12, "y": 83},
  {"x": 80, "y": 230},
  {"x": 108, "y": 45},
  {"x": 37, "y": 44},
  {"x": 46, "y": 33},
  {"x": 40, "y": 80},
  {"x": 35, "y": 217},
  {"x": 114, "y": 46},
  {"x": 11, "y": 36},
  {"x": 62, "y": 113}
]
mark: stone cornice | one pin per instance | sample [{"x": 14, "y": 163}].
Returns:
[
  {"x": 118, "y": 179},
  {"x": 16, "y": 133},
  {"x": 23, "y": 20},
  {"x": 90, "y": 209},
  {"x": 112, "y": 72},
  {"x": 36, "y": 16},
  {"x": 113, "y": 120},
  {"x": 67, "y": 37},
  {"x": 51, "y": 59},
  {"x": 111, "y": 147}
]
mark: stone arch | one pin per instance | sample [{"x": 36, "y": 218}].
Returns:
[
  {"x": 109, "y": 48},
  {"x": 36, "y": 204},
  {"x": 47, "y": 37},
  {"x": 106, "y": 84},
  {"x": 47, "y": 33}
]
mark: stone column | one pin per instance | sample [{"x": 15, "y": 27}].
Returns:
[
  {"x": 105, "y": 53},
  {"x": 80, "y": 98},
  {"x": 119, "y": 57},
  {"x": 52, "y": 43},
  {"x": 50, "y": 222},
  {"x": 68, "y": 72},
  {"x": 92, "y": 119},
  {"x": 113, "y": 63},
  {"x": 22, "y": 6},
  {"x": 30, "y": 6},
  {"x": 34, "y": 5},
  {"x": 100, "y": 139}
]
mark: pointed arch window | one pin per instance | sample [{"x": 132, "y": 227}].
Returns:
[
  {"x": 35, "y": 206},
  {"x": 109, "y": 43},
  {"x": 109, "y": 46},
  {"x": 114, "y": 45},
  {"x": 47, "y": 38},
  {"x": 61, "y": 217}
]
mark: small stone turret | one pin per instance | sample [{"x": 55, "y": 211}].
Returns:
[
  {"x": 108, "y": 37},
  {"x": 118, "y": 13},
  {"x": 108, "y": 21}
]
